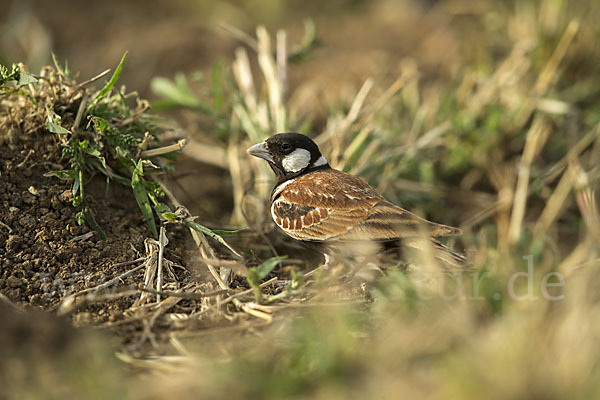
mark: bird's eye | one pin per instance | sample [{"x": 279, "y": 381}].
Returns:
[{"x": 286, "y": 147}]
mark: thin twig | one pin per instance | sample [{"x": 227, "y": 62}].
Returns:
[
  {"x": 162, "y": 242},
  {"x": 281, "y": 52},
  {"x": 199, "y": 239},
  {"x": 91, "y": 80},
  {"x": 111, "y": 282},
  {"x": 22, "y": 163},
  {"x": 536, "y": 138},
  {"x": 80, "y": 112},
  {"x": 70, "y": 304},
  {"x": 185, "y": 295},
  {"x": 239, "y": 35},
  {"x": 162, "y": 307},
  {"x": 85, "y": 236},
  {"x": 245, "y": 292},
  {"x": 165, "y": 149},
  {"x": 207, "y": 253},
  {"x": 549, "y": 72}
]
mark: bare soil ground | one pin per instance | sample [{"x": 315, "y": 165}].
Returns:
[{"x": 45, "y": 255}]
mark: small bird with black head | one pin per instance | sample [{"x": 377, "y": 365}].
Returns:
[{"x": 319, "y": 205}]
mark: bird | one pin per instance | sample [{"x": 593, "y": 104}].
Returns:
[{"x": 323, "y": 207}]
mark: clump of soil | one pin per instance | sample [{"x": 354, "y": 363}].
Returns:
[{"x": 45, "y": 255}]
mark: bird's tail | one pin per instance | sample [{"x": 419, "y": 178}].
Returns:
[{"x": 450, "y": 258}]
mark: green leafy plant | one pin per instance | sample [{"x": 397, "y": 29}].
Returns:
[
  {"x": 106, "y": 132},
  {"x": 257, "y": 274},
  {"x": 14, "y": 75}
]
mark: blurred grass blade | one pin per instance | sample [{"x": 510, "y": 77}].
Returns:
[
  {"x": 209, "y": 232},
  {"x": 57, "y": 64},
  {"x": 310, "y": 41},
  {"x": 217, "y": 86},
  {"x": 177, "y": 93},
  {"x": 257, "y": 274},
  {"x": 139, "y": 191},
  {"x": 63, "y": 71},
  {"x": 110, "y": 85}
]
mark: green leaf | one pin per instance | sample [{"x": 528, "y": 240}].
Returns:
[
  {"x": 123, "y": 154},
  {"x": 76, "y": 183},
  {"x": 77, "y": 201},
  {"x": 91, "y": 222},
  {"x": 227, "y": 233},
  {"x": 177, "y": 93},
  {"x": 170, "y": 216},
  {"x": 257, "y": 274},
  {"x": 56, "y": 63},
  {"x": 110, "y": 174},
  {"x": 310, "y": 41},
  {"x": 110, "y": 85},
  {"x": 25, "y": 79},
  {"x": 55, "y": 127},
  {"x": 139, "y": 191},
  {"x": 59, "y": 68},
  {"x": 102, "y": 168},
  {"x": 94, "y": 153},
  {"x": 7, "y": 75},
  {"x": 21, "y": 78},
  {"x": 100, "y": 125},
  {"x": 209, "y": 232},
  {"x": 164, "y": 213}
]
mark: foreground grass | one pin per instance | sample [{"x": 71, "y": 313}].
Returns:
[{"x": 507, "y": 149}]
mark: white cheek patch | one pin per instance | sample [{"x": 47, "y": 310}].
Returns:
[
  {"x": 296, "y": 161},
  {"x": 320, "y": 161}
]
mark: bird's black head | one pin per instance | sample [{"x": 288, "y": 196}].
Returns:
[{"x": 289, "y": 155}]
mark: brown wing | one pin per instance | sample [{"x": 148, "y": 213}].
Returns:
[
  {"x": 331, "y": 204},
  {"x": 386, "y": 221}
]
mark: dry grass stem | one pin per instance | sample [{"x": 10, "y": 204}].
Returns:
[
  {"x": 165, "y": 149},
  {"x": 536, "y": 138},
  {"x": 549, "y": 72},
  {"x": 162, "y": 243}
]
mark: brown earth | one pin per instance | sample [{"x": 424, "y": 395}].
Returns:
[{"x": 44, "y": 256}]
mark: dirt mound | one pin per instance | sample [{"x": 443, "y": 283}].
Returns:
[{"x": 45, "y": 254}]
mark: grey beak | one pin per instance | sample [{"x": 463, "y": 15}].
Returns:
[{"x": 260, "y": 150}]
